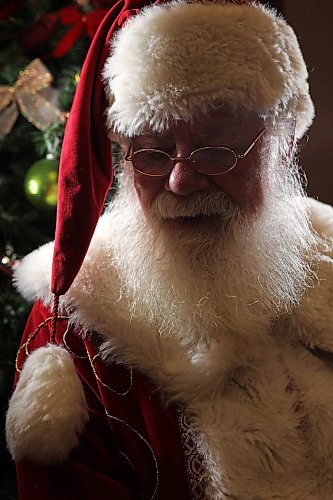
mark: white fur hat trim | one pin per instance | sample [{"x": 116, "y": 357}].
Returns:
[
  {"x": 176, "y": 60},
  {"x": 47, "y": 410}
]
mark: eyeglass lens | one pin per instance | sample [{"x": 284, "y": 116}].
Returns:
[{"x": 207, "y": 160}]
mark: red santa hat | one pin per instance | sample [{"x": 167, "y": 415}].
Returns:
[{"x": 164, "y": 61}]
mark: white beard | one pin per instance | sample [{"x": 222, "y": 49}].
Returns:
[{"x": 199, "y": 284}]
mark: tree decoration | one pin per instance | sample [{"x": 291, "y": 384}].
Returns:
[
  {"x": 8, "y": 260},
  {"x": 82, "y": 23},
  {"x": 32, "y": 95},
  {"x": 84, "y": 4},
  {"x": 40, "y": 183},
  {"x": 29, "y": 29}
]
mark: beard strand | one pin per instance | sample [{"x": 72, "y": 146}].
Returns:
[{"x": 202, "y": 283}]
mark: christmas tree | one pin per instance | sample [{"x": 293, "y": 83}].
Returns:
[{"x": 44, "y": 43}]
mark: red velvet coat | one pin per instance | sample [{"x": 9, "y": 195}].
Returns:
[{"x": 132, "y": 447}]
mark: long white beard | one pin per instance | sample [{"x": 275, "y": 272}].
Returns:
[{"x": 202, "y": 284}]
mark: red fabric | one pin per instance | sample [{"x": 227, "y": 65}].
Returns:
[
  {"x": 85, "y": 172},
  {"x": 113, "y": 459}
]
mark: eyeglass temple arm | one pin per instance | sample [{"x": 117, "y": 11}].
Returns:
[
  {"x": 128, "y": 156},
  {"x": 251, "y": 145}
]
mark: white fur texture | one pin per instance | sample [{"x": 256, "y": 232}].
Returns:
[
  {"x": 36, "y": 271},
  {"x": 47, "y": 411},
  {"x": 321, "y": 216},
  {"x": 174, "y": 61}
]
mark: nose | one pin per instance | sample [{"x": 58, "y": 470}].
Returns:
[{"x": 184, "y": 179}]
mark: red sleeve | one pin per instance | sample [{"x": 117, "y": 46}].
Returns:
[{"x": 93, "y": 471}]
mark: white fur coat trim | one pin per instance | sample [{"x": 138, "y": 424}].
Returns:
[{"x": 172, "y": 60}]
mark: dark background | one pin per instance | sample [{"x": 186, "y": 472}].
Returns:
[{"x": 312, "y": 21}]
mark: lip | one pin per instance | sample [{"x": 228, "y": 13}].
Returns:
[{"x": 193, "y": 222}]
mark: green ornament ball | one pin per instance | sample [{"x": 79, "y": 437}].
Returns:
[{"x": 40, "y": 184}]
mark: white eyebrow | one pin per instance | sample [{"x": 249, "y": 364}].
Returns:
[{"x": 151, "y": 134}]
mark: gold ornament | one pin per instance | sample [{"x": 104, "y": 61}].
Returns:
[
  {"x": 83, "y": 3},
  {"x": 40, "y": 183},
  {"x": 31, "y": 94}
]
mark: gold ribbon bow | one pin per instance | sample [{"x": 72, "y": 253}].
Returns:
[{"x": 32, "y": 95}]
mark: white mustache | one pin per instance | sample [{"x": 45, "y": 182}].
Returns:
[{"x": 169, "y": 206}]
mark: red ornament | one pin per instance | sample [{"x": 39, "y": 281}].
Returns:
[{"x": 82, "y": 23}]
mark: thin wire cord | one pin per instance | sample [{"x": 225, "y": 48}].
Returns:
[{"x": 54, "y": 318}]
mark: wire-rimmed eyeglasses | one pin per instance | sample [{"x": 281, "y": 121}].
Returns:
[{"x": 210, "y": 160}]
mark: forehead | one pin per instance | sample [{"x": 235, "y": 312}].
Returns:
[{"x": 222, "y": 119}]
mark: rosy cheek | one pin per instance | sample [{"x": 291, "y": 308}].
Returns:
[
  {"x": 147, "y": 188},
  {"x": 244, "y": 185}
]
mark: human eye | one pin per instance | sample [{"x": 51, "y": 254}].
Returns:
[{"x": 151, "y": 161}]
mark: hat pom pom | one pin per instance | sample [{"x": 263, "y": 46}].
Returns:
[{"x": 48, "y": 410}]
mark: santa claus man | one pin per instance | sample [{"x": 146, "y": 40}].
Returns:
[{"x": 188, "y": 351}]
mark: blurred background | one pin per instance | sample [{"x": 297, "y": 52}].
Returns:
[
  {"x": 42, "y": 47},
  {"x": 312, "y": 21}
]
